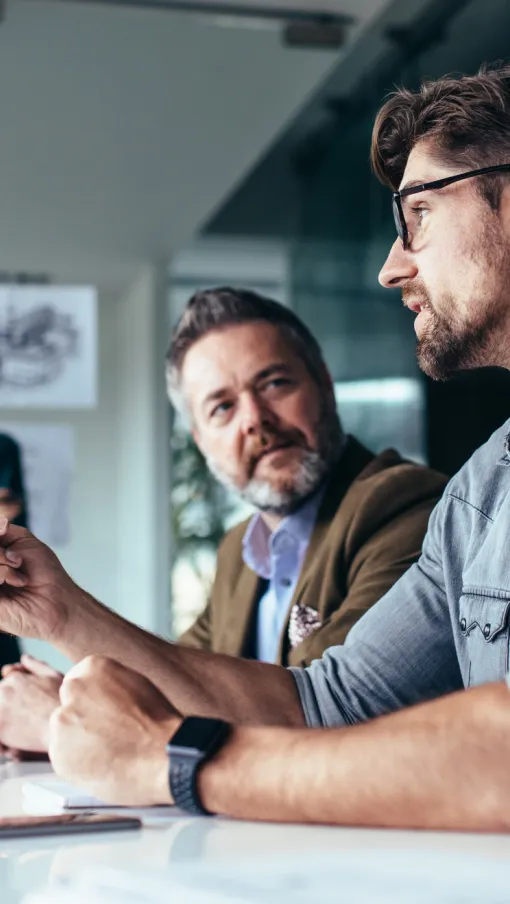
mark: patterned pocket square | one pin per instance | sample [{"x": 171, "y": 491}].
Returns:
[{"x": 303, "y": 621}]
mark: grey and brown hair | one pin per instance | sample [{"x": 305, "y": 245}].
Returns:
[
  {"x": 214, "y": 309},
  {"x": 464, "y": 119}
]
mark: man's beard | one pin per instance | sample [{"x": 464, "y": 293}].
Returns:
[
  {"x": 445, "y": 347},
  {"x": 309, "y": 471},
  {"x": 444, "y": 350}
]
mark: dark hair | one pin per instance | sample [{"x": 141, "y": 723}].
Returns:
[
  {"x": 465, "y": 118},
  {"x": 213, "y": 309},
  {"x": 11, "y": 475}
]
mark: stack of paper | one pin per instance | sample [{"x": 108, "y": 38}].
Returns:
[{"x": 47, "y": 796}]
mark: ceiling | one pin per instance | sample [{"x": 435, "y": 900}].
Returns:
[
  {"x": 123, "y": 129},
  {"x": 360, "y": 10},
  {"x": 342, "y": 108}
]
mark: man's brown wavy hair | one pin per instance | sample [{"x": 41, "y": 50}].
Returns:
[{"x": 464, "y": 120}]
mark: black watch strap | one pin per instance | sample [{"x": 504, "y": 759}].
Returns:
[
  {"x": 183, "y": 784},
  {"x": 193, "y": 744}
]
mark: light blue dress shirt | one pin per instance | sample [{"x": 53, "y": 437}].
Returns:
[{"x": 278, "y": 558}]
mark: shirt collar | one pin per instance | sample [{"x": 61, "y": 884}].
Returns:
[{"x": 259, "y": 541}]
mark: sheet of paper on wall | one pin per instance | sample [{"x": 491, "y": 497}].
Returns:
[
  {"x": 47, "y": 456},
  {"x": 48, "y": 347}
]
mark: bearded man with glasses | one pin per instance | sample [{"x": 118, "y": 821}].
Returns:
[{"x": 251, "y": 749}]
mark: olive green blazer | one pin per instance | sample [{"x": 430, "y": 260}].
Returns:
[{"x": 369, "y": 530}]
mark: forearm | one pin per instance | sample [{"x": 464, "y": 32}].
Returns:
[
  {"x": 441, "y": 765},
  {"x": 196, "y": 681}
]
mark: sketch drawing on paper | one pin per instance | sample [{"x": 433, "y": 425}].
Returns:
[
  {"x": 48, "y": 346},
  {"x": 35, "y": 345}
]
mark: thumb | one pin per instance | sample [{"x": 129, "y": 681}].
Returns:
[
  {"x": 10, "y": 668},
  {"x": 9, "y": 533},
  {"x": 36, "y": 667}
]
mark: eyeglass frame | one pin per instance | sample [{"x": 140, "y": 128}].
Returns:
[{"x": 398, "y": 211}]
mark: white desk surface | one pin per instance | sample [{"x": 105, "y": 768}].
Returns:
[{"x": 28, "y": 865}]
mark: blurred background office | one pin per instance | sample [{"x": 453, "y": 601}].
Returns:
[{"x": 151, "y": 148}]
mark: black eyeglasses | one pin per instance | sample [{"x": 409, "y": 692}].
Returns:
[{"x": 398, "y": 211}]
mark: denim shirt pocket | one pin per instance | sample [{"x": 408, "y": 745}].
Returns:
[{"x": 483, "y": 622}]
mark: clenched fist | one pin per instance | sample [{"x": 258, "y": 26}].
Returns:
[
  {"x": 29, "y": 692},
  {"x": 109, "y": 734}
]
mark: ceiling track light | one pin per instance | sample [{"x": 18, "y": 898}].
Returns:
[
  {"x": 315, "y": 33},
  {"x": 304, "y": 28}
]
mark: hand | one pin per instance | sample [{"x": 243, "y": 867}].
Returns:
[
  {"x": 29, "y": 692},
  {"x": 35, "y": 590},
  {"x": 109, "y": 734}
]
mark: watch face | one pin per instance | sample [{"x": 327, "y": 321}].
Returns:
[{"x": 199, "y": 736}]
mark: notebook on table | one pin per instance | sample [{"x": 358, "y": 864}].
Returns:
[{"x": 50, "y": 795}]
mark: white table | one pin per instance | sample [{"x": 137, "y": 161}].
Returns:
[{"x": 28, "y": 865}]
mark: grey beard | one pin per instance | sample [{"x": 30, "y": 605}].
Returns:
[{"x": 310, "y": 472}]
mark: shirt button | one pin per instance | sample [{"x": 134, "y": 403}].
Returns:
[
  {"x": 285, "y": 582},
  {"x": 462, "y": 624},
  {"x": 282, "y": 542},
  {"x": 486, "y": 630}
]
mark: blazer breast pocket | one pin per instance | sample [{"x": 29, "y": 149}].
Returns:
[{"x": 483, "y": 622}]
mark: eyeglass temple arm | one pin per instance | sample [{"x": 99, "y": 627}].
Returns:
[{"x": 441, "y": 183}]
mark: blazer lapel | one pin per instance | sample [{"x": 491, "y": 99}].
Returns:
[
  {"x": 353, "y": 460},
  {"x": 240, "y": 612}
]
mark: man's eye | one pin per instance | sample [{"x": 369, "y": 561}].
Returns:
[
  {"x": 220, "y": 409},
  {"x": 277, "y": 381},
  {"x": 418, "y": 213}
]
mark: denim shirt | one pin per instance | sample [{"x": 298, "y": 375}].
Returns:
[{"x": 444, "y": 625}]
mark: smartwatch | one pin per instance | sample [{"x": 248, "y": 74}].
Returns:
[{"x": 194, "y": 743}]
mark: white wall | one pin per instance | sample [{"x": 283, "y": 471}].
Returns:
[
  {"x": 143, "y": 453},
  {"x": 118, "y": 519},
  {"x": 92, "y": 555}
]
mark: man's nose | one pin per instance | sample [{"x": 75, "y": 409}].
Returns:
[
  {"x": 399, "y": 267},
  {"x": 253, "y": 414}
]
